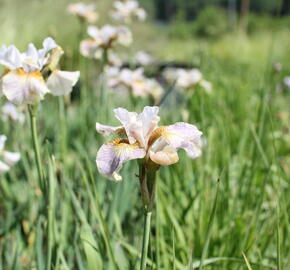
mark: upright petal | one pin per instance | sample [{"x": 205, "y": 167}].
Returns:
[
  {"x": 22, "y": 88},
  {"x": 112, "y": 155},
  {"x": 93, "y": 31},
  {"x": 49, "y": 44},
  {"x": 149, "y": 118},
  {"x": 61, "y": 82},
  {"x": 108, "y": 130},
  {"x": 10, "y": 57},
  {"x": 139, "y": 127},
  {"x": 129, "y": 121}
]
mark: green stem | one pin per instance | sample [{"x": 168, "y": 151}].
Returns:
[
  {"x": 145, "y": 243},
  {"x": 32, "y": 113},
  {"x": 147, "y": 177},
  {"x": 50, "y": 214}
]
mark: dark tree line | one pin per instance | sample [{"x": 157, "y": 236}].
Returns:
[{"x": 166, "y": 10}]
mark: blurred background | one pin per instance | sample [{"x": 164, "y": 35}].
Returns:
[{"x": 242, "y": 48}]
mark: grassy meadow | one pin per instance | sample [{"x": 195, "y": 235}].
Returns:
[{"x": 227, "y": 210}]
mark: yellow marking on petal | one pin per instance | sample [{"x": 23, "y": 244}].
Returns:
[
  {"x": 36, "y": 73},
  {"x": 122, "y": 145},
  {"x": 139, "y": 83},
  {"x": 120, "y": 131},
  {"x": 6, "y": 70},
  {"x": 157, "y": 133},
  {"x": 124, "y": 142}
]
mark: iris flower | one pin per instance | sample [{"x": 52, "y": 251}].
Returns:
[
  {"x": 143, "y": 58},
  {"x": 187, "y": 78},
  {"x": 142, "y": 138},
  {"x": 128, "y": 10},
  {"x": 30, "y": 75},
  {"x": 134, "y": 81},
  {"x": 104, "y": 38},
  {"x": 86, "y": 12},
  {"x": 9, "y": 158}
]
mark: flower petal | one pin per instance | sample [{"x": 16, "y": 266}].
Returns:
[
  {"x": 49, "y": 44},
  {"x": 139, "y": 127},
  {"x": 124, "y": 36},
  {"x": 11, "y": 157},
  {"x": 90, "y": 48},
  {"x": 3, "y": 167},
  {"x": 61, "y": 82},
  {"x": 10, "y": 57},
  {"x": 165, "y": 157},
  {"x": 129, "y": 121},
  {"x": 112, "y": 155},
  {"x": 185, "y": 136},
  {"x": 108, "y": 130},
  {"x": 20, "y": 87}
]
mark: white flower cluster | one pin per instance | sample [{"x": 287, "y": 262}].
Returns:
[
  {"x": 135, "y": 81},
  {"x": 24, "y": 82},
  {"x": 83, "y": 11},
  {"x": 128, "y": 10},
  {"x": 187, "y": 78}
]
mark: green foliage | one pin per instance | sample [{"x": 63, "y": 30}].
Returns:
[
  {"x": 211, "y": 22},
  {"x": 257, "y": 23},
  {"x": 97, "y": 223}
]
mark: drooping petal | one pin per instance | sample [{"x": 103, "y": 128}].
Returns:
[
  {"x": 112, "y": 155},
  {"x": 185, "y": 136},
  {"x": 3, "y": 167},
  {"x": 108, "y": 130},
  {"x": 11, "y": 157},
  {"x": 61, "y": 82},
  {"x": 165, "y": 156},
  {"x": 20, "y": 87}
]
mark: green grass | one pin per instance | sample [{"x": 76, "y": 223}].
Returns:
[{"x": 97, "y": 224}]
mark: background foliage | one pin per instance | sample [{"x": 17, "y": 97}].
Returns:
[{"x": 246, "y": 128}]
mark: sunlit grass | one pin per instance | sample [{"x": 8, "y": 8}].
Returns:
[{"x": 96, "y": 223}]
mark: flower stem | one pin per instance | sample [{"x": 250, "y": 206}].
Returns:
[
  {"x": 145, "y": 243},
  {"x": 32, "y": 113},
  {"x": 147, "y": 178}
]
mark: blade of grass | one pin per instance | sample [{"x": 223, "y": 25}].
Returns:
[
  {"x": 209, "y": 229},
  {"x": 247, "y": 262}
]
